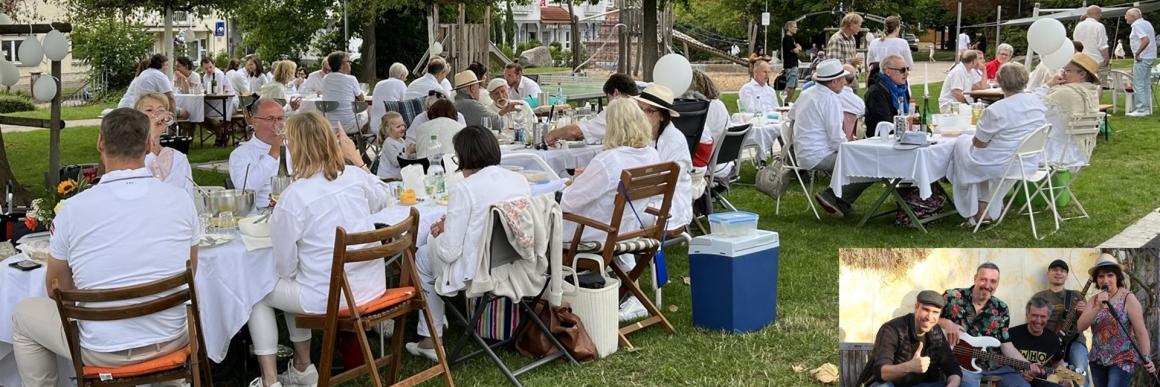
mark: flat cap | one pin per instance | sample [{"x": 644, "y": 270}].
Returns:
[{"x": 932, "y": 298}]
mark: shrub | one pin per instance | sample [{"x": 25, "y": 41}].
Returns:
[
  {"x": 10, "y": 103},
  {"x": 527, "y": 45},
  {"x": 110, "y": 47}
]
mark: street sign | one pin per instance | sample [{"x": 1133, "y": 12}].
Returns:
[
  {"x": 219, "y": 28},
  {"x": 765, "y": 18}
]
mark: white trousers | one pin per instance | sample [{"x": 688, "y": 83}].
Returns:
[
  {"x": 263, "y": 327},
  {"x": 38, "y": 338},
  {"x": 426, "y": 269}
]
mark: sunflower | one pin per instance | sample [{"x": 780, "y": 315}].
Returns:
[{"x": 66, "y": 187}]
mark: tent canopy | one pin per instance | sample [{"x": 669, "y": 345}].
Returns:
[{"x": 1108, "y": 12}]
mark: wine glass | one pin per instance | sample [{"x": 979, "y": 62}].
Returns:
[{"x": 226, "y": 220}]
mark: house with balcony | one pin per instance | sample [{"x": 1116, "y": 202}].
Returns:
[{"x": 548, "y": 21}]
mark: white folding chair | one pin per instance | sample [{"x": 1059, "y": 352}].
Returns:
[
  {"x": 789, "y": 162},
  {"x": 1033, "y": 145},
  {"x": 1082, "y": 132},
  {"x": 1121, "y": 83},
  {"x": 528, "y": 161}
]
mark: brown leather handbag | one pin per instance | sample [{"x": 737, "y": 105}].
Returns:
[{"x": 563, "y": 324}]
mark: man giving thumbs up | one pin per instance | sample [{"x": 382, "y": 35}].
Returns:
[{"x": 912, "y": 350}]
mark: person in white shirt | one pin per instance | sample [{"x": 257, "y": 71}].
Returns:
[
  {"x": 165, "y": 163},
  {"x": 238, "y": 79},
  {"x": 964, "y": 44},
  {"x": 255, "y": 73},
  {"x": 343, "y": 88},
  {"x": 447, "y": 263},
  {"x": 421, "y": 119},
  {"x": 888, "y": 44},
  {"x": 617, "y": 86},
  {"x": 326, "y": 194},
  {"x": 183, "y": 75},
  {"x": 421, "y": 87},
  {"x": 393, "y": 133},
  {"x": 519, "y": 86},
  {"x": 512, "y": 113},
  {"x": 258, "y": 157},
  {"x": 213, "y": 80},
  {"x": 963, "y": 77},
  {"x": 1143, "y": 43},
  {"x": 818, "y": 132},
  {"x": 151, "y": 80},
  {"x": 657, "y": 103},
  {"x": 716, "y": 121},
  {"x": 979, "y": 162},
  {"x": 1093, "y": 35},
  {"x": 277, "y": 89},
  {"x": 390, "y": 89},
  {"x": 852, "y": 105},
  {"x": 441, "y": 125},
  {"x": 129, "y": 229},
  {"x": 758, "y": 95},
  {"x": 313, "y": 84}
]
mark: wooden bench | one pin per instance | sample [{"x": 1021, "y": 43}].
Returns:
[{"x": 852, "y": 359}]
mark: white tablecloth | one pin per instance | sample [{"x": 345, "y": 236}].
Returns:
[
  {"x": 197, "y": 107},
  {"x": 875, "y": 159},
  {"x": 563, "y": 158},
  {"x": 16, "y": 285},
  {"x": 763, "y": 133}
]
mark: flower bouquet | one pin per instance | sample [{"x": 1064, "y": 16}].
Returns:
[{"x": 43, "y": 210}]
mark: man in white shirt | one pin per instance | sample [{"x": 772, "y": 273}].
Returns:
[
  {"x": 963, "y": 77},
  {"x": 152, "y": 80},
  {"x": 852, "y": 105},
  {"x": 239, "y": 81},
  {"x": 1093, "y": 35},
  {"x": 129, "y": 229},
  {"x": 617, "y": 86},
  {"x": 437, "y": 71},
  {"x": 341, "y": 87},
  {"x": 758, "y": 96},
  {"x": 519, "y": 86},
  {"x": 183, "y": 75},
  {"x": 1143, "y": 43},
  {"x": 258, "y": 157},
  {"x": 964, "y": 44},
  {"x": 818, "y": 133},
  {"x": 213, "y": 80},
  {"x": 390, "y": 89},
  {"x": 313, "y": 84}
]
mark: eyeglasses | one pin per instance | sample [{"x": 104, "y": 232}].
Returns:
[
  {"x": 650, "y": 110},
  {"x": 1066, "y": 69},
  {"x": 276, "y": 120},
  {"x": 903, "y": 70}
]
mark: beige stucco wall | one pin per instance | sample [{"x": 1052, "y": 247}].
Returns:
[{"x": 873, "y": 292}]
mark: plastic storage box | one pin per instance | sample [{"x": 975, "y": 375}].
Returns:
[
  {"x": 733, "y": 223},
  {"x": 734, "y": 281}
]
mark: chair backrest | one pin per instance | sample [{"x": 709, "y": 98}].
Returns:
[
  {"x": 409, "y": 109},
  {"x": 501, "y": 251},
  {"x": 528, "y": 161},
  {"x": 728, "y": 149},
  {"x": 77, "y": 171},
  {"x": 1034, "y": 142},
  {"x": 398, "y": 239},
  {"x": 359, "y": 106},
  {"x": 692, "y": 119},
  {"x": 640, "y": 183},
  {"x": 326, "y": 106},
  {"x": 1083, "y": 130}
]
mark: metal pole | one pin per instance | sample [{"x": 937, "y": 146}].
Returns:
[
  {"x": 345, "y": 25},
  {"x": 998, "y": 19},
  {"x": 765, "y": 39},
  {"x": 168, "y": 36},
  {"x": 1034, "y": 15},
  {"x": 958, "y": 30}
]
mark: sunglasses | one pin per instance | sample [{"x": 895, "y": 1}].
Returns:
[{"x": 903, "y": 70}]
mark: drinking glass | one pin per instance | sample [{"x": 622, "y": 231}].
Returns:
[
  {"x": 203, "y": 220},
  {"x": 226, "y": 221},
  {"x": 486, "y": 123}
]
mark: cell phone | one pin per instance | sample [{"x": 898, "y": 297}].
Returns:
[{"x": 25, "y": 265}]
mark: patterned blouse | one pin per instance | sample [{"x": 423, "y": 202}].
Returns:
[
  {"x": 991, "y": 321},
  {"x": 1110, "y": 347}
]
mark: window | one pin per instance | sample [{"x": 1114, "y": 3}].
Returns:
[{"x": 10, "y": 47}]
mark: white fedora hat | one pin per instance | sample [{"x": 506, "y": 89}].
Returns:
[
  {"x": 465, "y": 78},
  {"x": 659, "y": 96},
  {"x": 829, "y": 69}
]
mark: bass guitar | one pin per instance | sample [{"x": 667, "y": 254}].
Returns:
[{"x": 972, "y": 349}]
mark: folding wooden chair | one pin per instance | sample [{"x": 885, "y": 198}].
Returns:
[
  {"x": 395, "y": 304},
  {"x": 638, "y": 184},
  {"x": 188, "y": 363}
]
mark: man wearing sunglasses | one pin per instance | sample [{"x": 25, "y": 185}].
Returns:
[{"x": 889, "y": 94}]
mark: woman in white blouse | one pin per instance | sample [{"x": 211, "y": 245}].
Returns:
[
  {"x": 657, "y": 103},
  {"x": 980, "y": 161},
  {"x": 442, "y": 125},
  {"x": 278, "y": 89},
  {"x": 325, "y": 194},
  {"x": 166, "y": 164},
  {"x": 449, "y": 260},
  {"x": 255, "y": 73},
  {"x": 887, "y": 44}
]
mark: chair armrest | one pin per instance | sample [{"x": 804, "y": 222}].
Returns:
[{"x": 568, "y": 216}]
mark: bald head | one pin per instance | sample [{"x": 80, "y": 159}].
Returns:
[
  {"x": 1094, "y": 12},
  {"x": 266, "y": 105},
  {"x": 851, "y": 73},
  {"x": 1132, "y": 15}
]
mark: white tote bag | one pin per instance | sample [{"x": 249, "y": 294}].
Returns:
[{"x": 597, "y": 308}]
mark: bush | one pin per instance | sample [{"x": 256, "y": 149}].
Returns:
[
  {"x": 527, "y": 45},
  {"x": 11, "y": 103},
  {"x": 110, "y": 47}
]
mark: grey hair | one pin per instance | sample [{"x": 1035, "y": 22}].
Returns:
[
  {"x": 1036, "y": 302},
  {"x": 398, "y": 70},
  {"x": 266, "y": 100},
  {"x": 891, "y": 59},
  {"x": 1012, "y": 77},
  {"x": 1134, "y": 12},
  {"x": 987, "y": 265},
  {"x": 1006, "y": 47}
]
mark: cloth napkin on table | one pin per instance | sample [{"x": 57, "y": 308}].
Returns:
[
  {"x": 255, "y": 235},
  {"x": 413, "y": 179}
]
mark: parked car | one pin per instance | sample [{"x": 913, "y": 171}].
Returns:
[{"x": 912, "y": 41}]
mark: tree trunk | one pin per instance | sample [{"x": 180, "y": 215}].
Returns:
[
  {"x": 575, "y": 38},
  {"x": 19, "y": 193},
  {"x": 752, "y": 36},
  {"x": 648, "y": 38},
  {"x": 509, "y": 27},
  {"x": 369, "y": 59}
]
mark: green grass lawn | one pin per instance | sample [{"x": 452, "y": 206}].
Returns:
[
  {"x": 71, "y": 113},
  {"x": 1117, "y": 190}
]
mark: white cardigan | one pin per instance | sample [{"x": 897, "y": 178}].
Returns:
[{"x": 534, "y": 227}]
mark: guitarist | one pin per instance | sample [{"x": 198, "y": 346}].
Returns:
[
  {"x": 1065, "y": 303},
  {"x": 977, "y": 312},
  {"x": 911, "y": 351},
  {"x": 1037, "y": 343}
]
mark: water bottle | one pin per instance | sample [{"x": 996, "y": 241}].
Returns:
[
  {"x": 435, "y": 179},
  {"x": 434, "y": 151}
]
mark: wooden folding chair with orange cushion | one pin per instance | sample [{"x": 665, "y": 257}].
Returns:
[
  {"x": 395, "y": 304},
  {"x": 651, "y": 181},
  {"x": 188, "y": 363}
]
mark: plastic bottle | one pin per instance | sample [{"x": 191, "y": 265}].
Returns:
[
  {"x": 434, "y": 151},
  {"x": 435, "y": 179}
]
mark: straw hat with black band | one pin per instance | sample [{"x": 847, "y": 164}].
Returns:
[
  {"x": 1087, "y": 64},
  {"x": 659, "y": 96},
  {"x": 1110, "y": 263},
  {"x": 465, "y": 78}
]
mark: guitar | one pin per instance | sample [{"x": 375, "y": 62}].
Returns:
[
  {"x": 1071, "y": 316},
  {"x": 971, "y": 349}
]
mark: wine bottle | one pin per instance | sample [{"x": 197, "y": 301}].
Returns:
[
  {"x": 283, "y": 170},
  {"x": 925, "y": 115}
]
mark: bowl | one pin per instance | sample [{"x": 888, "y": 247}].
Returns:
[
  {"x": 251, "y": 227},
  {"x": 950, "y": 132},
  {"x": 241, "y": 203}
]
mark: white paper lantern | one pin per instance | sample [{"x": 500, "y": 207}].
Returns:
[
  {"x": 55, "y": 45},
  {"x": 44, "y": 89},
  {"x": 1045, "y": 36},
  {"x": 1059, "y": 58},
  {"x": 4, "y": 19},
  {"x": 31, "y": 53},
  {"x": 436, "y": 49},
  {"x": 9, "y": 74},
  {"x": 675, "y": 72}
]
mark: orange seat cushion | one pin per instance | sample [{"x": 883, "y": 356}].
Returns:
[
  {"x": 391, "y": 298},
  {"x": 163, "y": 363}
]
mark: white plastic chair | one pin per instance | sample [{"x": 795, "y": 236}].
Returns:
[
  {"x": 789, "y": 162},
  {"x": 528, "y": 161},
  {"x": 1121, "y": 81},
  {"x": 1031, "y": 146},
  {"x": 1082, "y": 131}
]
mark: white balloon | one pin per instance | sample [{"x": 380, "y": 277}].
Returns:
[
  {"x": 4, "y": 19},
  {"x": 1045, "y": 35},
  {"x": 55, "y": 45},
  {"x": 44, "y": 89},
  {"x": 31, "y": 53},
  {"x": 1059, "y": 58},
  {"x": 9, "y": 74},
  {"x": 436, "y": 49},
  {"x": 675, "y": 72}
]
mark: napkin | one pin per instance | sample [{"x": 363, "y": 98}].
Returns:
[
  {"x": 255, "y": 235},
  {"x": 413, "y": 179}
]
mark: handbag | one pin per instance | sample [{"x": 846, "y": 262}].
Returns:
[
  {"x": 923, "y": 208},
  {"x": 564, "y": 325},
  {"x": 596, "y": 306},
  {"x": 773, "y": 179}
]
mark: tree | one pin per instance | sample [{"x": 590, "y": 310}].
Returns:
[
  {"x": 110, "y": 48},
  {"x": 282, "y": 28}
]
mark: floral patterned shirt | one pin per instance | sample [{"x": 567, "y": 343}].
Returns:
[{"x": 991, "y": 321}]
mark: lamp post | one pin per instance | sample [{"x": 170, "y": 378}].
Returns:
[{"x": 345, "y": 24}]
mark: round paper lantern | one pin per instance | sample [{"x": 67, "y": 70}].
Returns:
[
  {"x": 436, "y": 49},
  {"x": 9, "y": 74},
  {"x": 1045, "y": 35},
  {"x": 675, "y": 72},
  {"x": 4, "y": 19},
  {"x": 31, "y": 53},
  {"x": 55, "y": 45},
  {"x": 44, "y": 89},
  {"x": 1056, "y": 60}
]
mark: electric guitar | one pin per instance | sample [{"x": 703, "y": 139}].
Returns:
[{"x": 971, "y": 349}]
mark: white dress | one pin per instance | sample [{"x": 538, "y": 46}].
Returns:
[
  {"x": 593, "y": 193},
  {"x": 975, "y": 172},
  {"x": 672, "y": 146}
]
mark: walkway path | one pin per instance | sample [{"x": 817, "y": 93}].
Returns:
[
  {"x": 1144, "y": 233},
  {"x": 67, "y": 124}
]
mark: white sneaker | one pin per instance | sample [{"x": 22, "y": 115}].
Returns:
[
  {"x": 632, "y": 309},
  {"x": 258, "y": 383},
  {"x": 1138, "y": 114},
  {"x": 295, "y": 378},
  {"x": 428, "y": 353}
]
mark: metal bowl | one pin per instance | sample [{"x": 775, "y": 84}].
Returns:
[{"x": 241, "y": 203}]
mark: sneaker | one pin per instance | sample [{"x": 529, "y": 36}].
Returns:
[
  {"x": 257, "y": 382},
  {"x": 831, "y": 203},
  {"x": 295, "y": 378},
  {"x": 632, "y": 309},
  {"x": 1138, "y": 113},
  {"x": 428, "y": 353}
]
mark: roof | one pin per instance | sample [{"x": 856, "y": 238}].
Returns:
[
  {"x": 1108, "y": 12},
  {"x": 554, "y": 15}
]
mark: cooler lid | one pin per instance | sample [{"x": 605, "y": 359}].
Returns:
[{"x": 733, "y": 246}]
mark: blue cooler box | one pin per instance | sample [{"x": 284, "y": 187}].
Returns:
[{"x": 734, "y": 281}]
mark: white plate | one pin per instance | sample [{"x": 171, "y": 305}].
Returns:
[
  {"x": 211, "y": 240},
  {"x": 509, "y": 147}
]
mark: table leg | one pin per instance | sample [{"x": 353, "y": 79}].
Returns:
[
  {"x": 877, "y": 203},
  {"x": 914, "y": 220}
]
